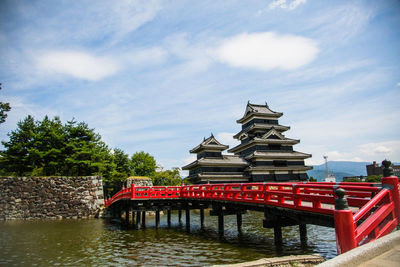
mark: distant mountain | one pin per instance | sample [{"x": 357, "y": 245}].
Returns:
[{"x": 339, "y": 169}]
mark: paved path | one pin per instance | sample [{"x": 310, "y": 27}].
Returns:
[
  {"x": 384, "y": 252},
  {"x": 387, "y": 259}
]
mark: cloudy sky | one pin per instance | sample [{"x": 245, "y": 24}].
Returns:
[{"x": 159, "y": 76}]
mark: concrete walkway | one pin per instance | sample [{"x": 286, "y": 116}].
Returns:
[
  {"x": 389, "y": 258},
  {"x": 384, "y": 252}
]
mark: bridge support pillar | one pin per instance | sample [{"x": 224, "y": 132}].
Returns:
[
  {"x": 239, "y": 222},
  {"x": 157, "y": 219},
  {"x": 202, "y": 218},
  {"x": 187, "y": 219},
  {"x": 303, "y": 233},
  {"x": 169, "y": 217},
  {"x": 143, "y": 219},
  {"x": 132, "y": 218},
  {"x": 180, "y": 217},
  {"x": 278, "y": 235},
  {"x": 127, "y": 207},
  {"x": 137, "y": 221},
  {"x": 221, "y": 224}
]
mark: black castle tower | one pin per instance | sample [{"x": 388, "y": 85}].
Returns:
[{"x": 264, "y": 153}]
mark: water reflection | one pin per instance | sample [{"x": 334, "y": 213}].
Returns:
[{"x": 98, "y": 242}]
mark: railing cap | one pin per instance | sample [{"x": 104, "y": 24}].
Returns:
[
  {"x": 341, "y": 201},
  {"x": 387, "y": 168}
]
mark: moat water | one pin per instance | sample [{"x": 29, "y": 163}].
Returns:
[{"x": 99, "y": 242}]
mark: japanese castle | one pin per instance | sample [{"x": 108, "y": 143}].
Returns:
[{"x": 264, "y": 153}]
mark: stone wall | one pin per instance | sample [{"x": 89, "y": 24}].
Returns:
[
  {"x": 138, "y": 181},
  {"x": 50, "y": 197}
]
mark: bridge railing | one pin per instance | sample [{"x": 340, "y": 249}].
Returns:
[
  {"x": 370, "y": 210},
  {"x": 376, "y": 218},
  {"x": 314, "y": 197}
]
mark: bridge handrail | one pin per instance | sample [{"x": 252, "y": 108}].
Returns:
[
  {"x": 378, "y": 204},
  {"x": 376, "y": 218}
]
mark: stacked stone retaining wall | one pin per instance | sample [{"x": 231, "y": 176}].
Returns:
[{"x": 50, "y": 197}]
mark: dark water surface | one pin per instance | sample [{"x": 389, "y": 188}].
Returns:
[{"x": 98, "y": 242}]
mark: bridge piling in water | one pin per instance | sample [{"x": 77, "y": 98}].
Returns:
[
  {"x": 202, "y": 218},
  {"x": 143, "y": 219},
  {"x": 278, "y": 235},
  {"x": 169, "y": 218},
  {"x": 157, "y": 218},
  {"x": 137, "y": 221},
  {"x": 303, "y": 233},
  {"x": 239, "y": 222},
  {"x": 180, "y": 217},
  {"x": 187, "y": 213},
  {"x": 221, "y": 224},
  {"x": 127, "y": 209}
]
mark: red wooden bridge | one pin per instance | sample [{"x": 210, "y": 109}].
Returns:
[{"x": 359, "y": 212}]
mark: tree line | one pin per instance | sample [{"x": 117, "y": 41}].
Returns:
[{"x": 50, "y": 148}]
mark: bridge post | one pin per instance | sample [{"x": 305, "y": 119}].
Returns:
[
  {"x": 239, "y": 222},
  {"x": 187, "y": 219},
  {"x": 169, "y": 217},
  {"x": 389, "y": 180},
  {"x": 345, "y": 227},
  {"x": 202, "y": 218},
  {"x": 127, "y": 207},
  {"x": 303, "y": 233},
  {"x": 143, "y": 219},
  {"x": 180, "y": 217},
  {"x": 278, "y": 235},
  {"x": 157, "y": 218},
  {"x": 137, "y": 221},
  {"x": 221, "y": 224}
]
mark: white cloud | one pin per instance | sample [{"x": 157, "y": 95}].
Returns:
[
  {"x": 365, "y": 152},
  {"x": 387, "y": 149},
  {"x": 148, "y": 56},
  {"x": 398, "y": 84},
  {"x": 341, "y": 23},
  {"x": 290, "y": 5},
  {"x": 77, "y": 64},
  {"x": 126, "y": 16},
  {"x": 267, "y": 50}
]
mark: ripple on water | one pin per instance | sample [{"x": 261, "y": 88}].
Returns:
[{"x": 96, "y": 242}]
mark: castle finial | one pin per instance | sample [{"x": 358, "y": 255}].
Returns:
[
  {"x": 266, "y": 104},
  {"x": 212, "y": 135},
  {"x": 248, "y": 102}
]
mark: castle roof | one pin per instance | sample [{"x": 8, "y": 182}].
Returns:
[
  {"x": 278, "y": 155},
  {"x": 226, "y": 160},
  {"x": 209, "y": 144},
  {"x": 258, "y": 110},
  {"x": 271, "y": 137},
  {"x": 261, "y": 126}
]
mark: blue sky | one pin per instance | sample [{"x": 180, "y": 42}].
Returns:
[{"x": 159, "y": 76}]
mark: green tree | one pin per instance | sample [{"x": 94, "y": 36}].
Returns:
[
  {"x": 167, "y": 177},
  {"x": 16, "y": 159},
  {"x": 142, "y": 164},
  {"x": 373, "y": 179},
  {"x": 4, "y": 107},
  {"x": 118, "y": 170},
  {"x": 85, "y": 152},
  {"x": 49, "y": 148},
  {"x": 312, "y": 179},
  {"x": 121, "y": 161}
]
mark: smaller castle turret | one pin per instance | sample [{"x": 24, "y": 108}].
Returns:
[{"x": 211, "y": 166}]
